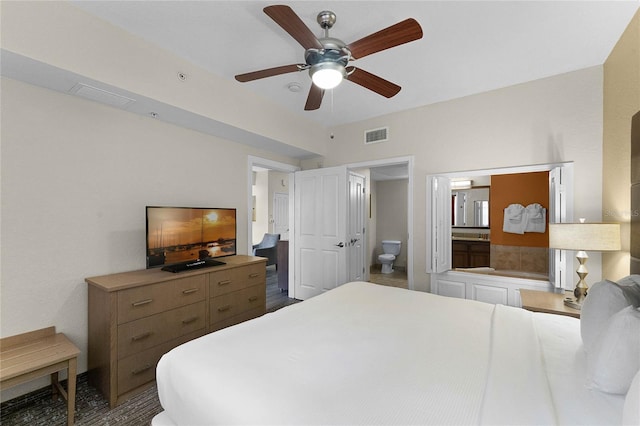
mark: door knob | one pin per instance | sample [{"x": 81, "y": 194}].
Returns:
[{"x": 340, "y": 244}]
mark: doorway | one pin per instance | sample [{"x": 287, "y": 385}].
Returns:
[
  {"x": 400, "y": 163},
  {"x": 395, "y": 176},
  {"x": 269, "y": 209}
]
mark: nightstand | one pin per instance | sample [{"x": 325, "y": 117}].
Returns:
[{"x": 544, "y": 301}]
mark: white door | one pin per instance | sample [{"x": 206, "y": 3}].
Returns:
[
  {"x": 559, "y": 212},
  {"x": 440, "y": 248},
  {"x": 320, "y": 230},
  {"x": 281, "y": 214},
  {"x": 355, "y": 228}
]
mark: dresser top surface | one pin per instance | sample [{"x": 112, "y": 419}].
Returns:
[{"x": 124, "y": 280}]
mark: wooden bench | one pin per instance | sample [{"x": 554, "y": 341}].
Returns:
[{"x": 38, "y": 353}]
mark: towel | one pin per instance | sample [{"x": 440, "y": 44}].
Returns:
[
  {"x": 536, "y": 218},
  {"x": 519, "y": 219},
  {"x": 515, "y": 220}
]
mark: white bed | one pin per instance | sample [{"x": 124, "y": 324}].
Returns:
[{"x": 369, "y": 354}]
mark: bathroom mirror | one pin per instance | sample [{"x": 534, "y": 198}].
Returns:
[{"x": 470, "y": 207}]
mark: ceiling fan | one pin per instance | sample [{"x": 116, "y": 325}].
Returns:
[{"x": 327, "y": 58}]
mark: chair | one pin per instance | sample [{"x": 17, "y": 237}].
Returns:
[{"x": 268, "y": 248}]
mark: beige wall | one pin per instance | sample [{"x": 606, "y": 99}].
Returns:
[
  {"x": 621, "y": 102},
  {"x": 391, "y": 223},
  {"x": 59, "y": 34},
  {"x": 76, "y": 176},
  {"x": 550, "y": 120}
]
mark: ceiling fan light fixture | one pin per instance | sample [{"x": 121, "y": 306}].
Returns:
[{"x": 327, "y": 75}]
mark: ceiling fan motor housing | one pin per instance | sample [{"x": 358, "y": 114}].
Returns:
[
  {"x": 334, "y": 53},
  {"x": 326, "y": 19}
]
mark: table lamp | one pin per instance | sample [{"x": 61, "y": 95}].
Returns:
[{"x": 583, "y": 237}]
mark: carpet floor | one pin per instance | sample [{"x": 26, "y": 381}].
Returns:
[{"x": 39, "y": 409}]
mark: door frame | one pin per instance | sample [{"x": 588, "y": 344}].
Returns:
[
  {"x": 409, "y": 161},
  {"x": 362, "y": 219}
]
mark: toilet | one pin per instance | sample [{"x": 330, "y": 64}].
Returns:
[{"x": 391, "y": 249}]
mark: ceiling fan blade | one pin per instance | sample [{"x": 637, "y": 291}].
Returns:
[
  {"x": 292, "y": 24},
  {"x": 373, "y": 82},
  {"x": 314, "y": 99},
  {"x": 269, "y": 72},
  {"x": 395, "y": 35}
]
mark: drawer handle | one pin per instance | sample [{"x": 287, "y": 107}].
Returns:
[
  {"x": 141, "y": 370},
  {"x": 189, "y": 291},
  {"x": 254, "y": 275},
  {"x": 141, "y": 303},
  {"x": 189, "y": 320},
  {"x": 225, "y": 282},
  {"x": 253, "y": 298},
  {"x": 141, "y": 336},
  {"x": 224, "y": 308}
]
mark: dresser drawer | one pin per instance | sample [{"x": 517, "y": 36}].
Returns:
[
  {"x": 144, "y": 301},
  {"x": 230, "y": 280},
  {"x": 231, "y": 304},
  {"x": 140, "y": 368},
  {"x": 244, "y": 316},
  {"x": 142, "y": 334}
]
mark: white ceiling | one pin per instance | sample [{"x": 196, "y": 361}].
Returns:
[{"x": 468, "y": 46}]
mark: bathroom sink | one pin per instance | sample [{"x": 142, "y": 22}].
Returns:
[{"x": 469, "y": 239}]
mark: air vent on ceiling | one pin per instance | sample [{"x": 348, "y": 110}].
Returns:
[
  {"x": 376, "y": 135},
  {"x": 100, "y": 95}
]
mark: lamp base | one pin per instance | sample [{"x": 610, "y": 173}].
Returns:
[
  {"x": 580, "y": 292},
  {"x": 572, "y": 303}
]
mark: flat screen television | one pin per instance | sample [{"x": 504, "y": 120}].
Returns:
[{"x": 185, "y": 234}]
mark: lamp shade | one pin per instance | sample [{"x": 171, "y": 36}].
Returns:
[{"x": 585, "y": 236}]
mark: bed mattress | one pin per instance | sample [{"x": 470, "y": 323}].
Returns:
[{"x": 369, "y": 354}]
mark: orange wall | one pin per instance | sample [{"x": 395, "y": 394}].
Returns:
[{"x": 519, "y": 188}]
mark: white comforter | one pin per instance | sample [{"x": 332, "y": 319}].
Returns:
[{"x": 363, "y": 354}]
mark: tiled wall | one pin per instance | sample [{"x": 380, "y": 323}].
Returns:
[{"x": 516, "y": 258}]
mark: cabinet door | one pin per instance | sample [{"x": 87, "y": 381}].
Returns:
[
  {"x": 490, "y": 294},
  {"x": 452, "y": 289},
  {"x": 479, "y": 259},
  {"x": 459, "y": 255},
  {"x": 479, "y": 254}
]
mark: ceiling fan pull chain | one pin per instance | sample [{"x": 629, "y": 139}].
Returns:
[{"x": 332, "y": 101}]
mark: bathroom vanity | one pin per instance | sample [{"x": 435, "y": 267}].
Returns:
[{"x": 470, "y": 252}]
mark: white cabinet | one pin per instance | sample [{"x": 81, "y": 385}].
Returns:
[
  {"x": 452, "y": 289},
  {"x": 487, "y": 288},
  {"x": 490, "y": 294}
]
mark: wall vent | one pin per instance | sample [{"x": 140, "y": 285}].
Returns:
[
  {"x": 376, "y": 135},
  {"x": 100, "y": 95}
]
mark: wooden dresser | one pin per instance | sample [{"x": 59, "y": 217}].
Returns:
[{"x": 136, "y": 317}]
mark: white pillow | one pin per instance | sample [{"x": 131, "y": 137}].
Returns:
[
  {"x": 615, "y": 358},
  {"x": 631, "y": 410},
  {"x": 603, "y": 300},
  {"x": 630, "y": 279},
  {"x": 630, "y": 286}
]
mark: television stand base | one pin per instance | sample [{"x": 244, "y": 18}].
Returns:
[{"x": 191, "y": 265}]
